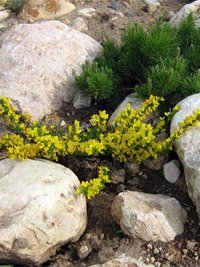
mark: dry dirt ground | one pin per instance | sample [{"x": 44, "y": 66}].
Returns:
[{"x": 109, "y": 241}]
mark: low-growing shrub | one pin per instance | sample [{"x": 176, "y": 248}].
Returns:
[
  {"x": 96, "y": 81},
  {"x": 162, "y": 60},
  {"x": 128, "y": 138},
  {"x": 15, "y": 5}
]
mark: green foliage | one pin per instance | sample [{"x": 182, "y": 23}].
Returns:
[
  {"x": 131, "y": 56},
  {"x": 96, "y": 81},
  {"x": 162, "y": 60},
  {"x": 128, "y": 138},
  {"x": 165, "y": 80},
  {"x": 15, "y": 5}
]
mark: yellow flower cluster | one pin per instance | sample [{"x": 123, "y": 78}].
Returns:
[
  {"x": 128, "y": 138},
  {"x": 94, "y": 186}
]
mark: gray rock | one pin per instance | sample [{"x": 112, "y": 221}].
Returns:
[
  {"x": 38, "y": 64},
  {"x": 118, "y": 176},
  {"x": 155, "y": 164},
  {"x": 79, "y": 25},
  {"x": 134, "y": 101},
  {"x": 171, "y": 171},
  {"x": 184, "y": 11},
  {"x": 123, "y": 261},
  {"x": 132, "y": 168},
  {"x": 39, "y": 9},
  {"x": 4, "y": 14},
  {"x": 38, "y": 210},
  {"x": 115, "y": 5},
  {"x": 149, "y": 217},
  {"x": 81, "y": 101},
  {"x": 152, "y": 5},
  {"x": 187, "y": 148},
  {"x": 87, "y": 12}
]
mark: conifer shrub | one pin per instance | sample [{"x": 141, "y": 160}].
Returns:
[
  {"x": 96, "y": 81},
  {"x": 162, "y": 60},
  {"x": 15, "y": 5}
]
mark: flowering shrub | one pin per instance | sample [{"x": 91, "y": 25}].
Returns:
[
  {"x": 94, "y": 186},
  {"x": 129, "y": 137}
]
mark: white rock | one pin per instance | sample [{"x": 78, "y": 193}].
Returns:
[
  {"x": 79, "y": 25},
  {"x": 87, "y": 12},
  {"x": 184, "y": 11},
  {"x": 38, "y": 210},
  {"x": 40, "y": 9},
  {"x": 187, "y": 148},
  {"x": 152, "y": 5},
  {"x": 81, "y": 101},
  {"x": 2, "y": 4},
  {"x": 171, "y": 171},
  {"x": 38, "y": 64},
  {"x": 4, "y": 14},
  {"x": 148, "y": 217},
  {"x": 134, "y": 101},
  {"x": 123, "y": 261}
]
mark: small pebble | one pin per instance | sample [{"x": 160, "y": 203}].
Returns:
[
  {"x": 149, "y": 246},
  {"x": 156, "y": 251},
  {"x": 152, "y": 259},
  {"x": 185, "y": 251},
  {"x": 114, "y": 5}
]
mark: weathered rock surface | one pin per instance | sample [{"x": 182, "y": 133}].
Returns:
[
  {"x": 4, "y": 14},
  {"x": 193, "y": 7},
  {"x": 2, "y": 4},
  {"x": 45, "y": 9},
  {"x": 149, "y": 217},
  {"x": 152, "y": 5},
  {"x": 132, "y": 100},
  {"x": 187, "y": 148},
  {"x": 135, "y": 102},
  {"x": 38, "y": 210},
  {"x": 87, "y": 12},
  {"x": 38, "y": 63},
  {"x": 171, "y": 171},
  {"x": 81, "y": 101},
  {"x": 123, "y": 261},
  {"x": 79, "y": 25}
]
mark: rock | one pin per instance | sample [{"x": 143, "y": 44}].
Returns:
[
  {"x": 132, "y": 168},
  {"x": 45, "y": 9},
  {"x": 81, "y": 101},
  {"x": 187, "y": 148},
  {"x": 151, "y": 5},
  {"x": 184, "y": 11},
  {"x": 83, "y": 250},
  {"x": 155, "y": 164},
  {"x": 2, "y": 4},
  {"x": 87, "y": 12},
  {"x": 148, "y": 216},
  {"x": 79, "y": 25},
  {"x": 118, "y": 176},
  {"x": 158, "y": 164},
  {"x": 38, "y": 64},
  {"x": 38, "y": 210},
  {"x": 4, "y": 14},
  {"x": 123, "y": 261},
  {"x": 171, "y": 171},
  {"x": 114, "y": 5},
  {"x": 134, "y": 101}
]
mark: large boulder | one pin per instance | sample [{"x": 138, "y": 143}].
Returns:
[
  {"x": 45, "y": 9},
  {"x": 38, "y": 210},
  {"x": 38, "y": 64},
  {"x": 149, "y": 217},
  {"x": 187, "y": 148},
  {"x": 193, "y": 7}
]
